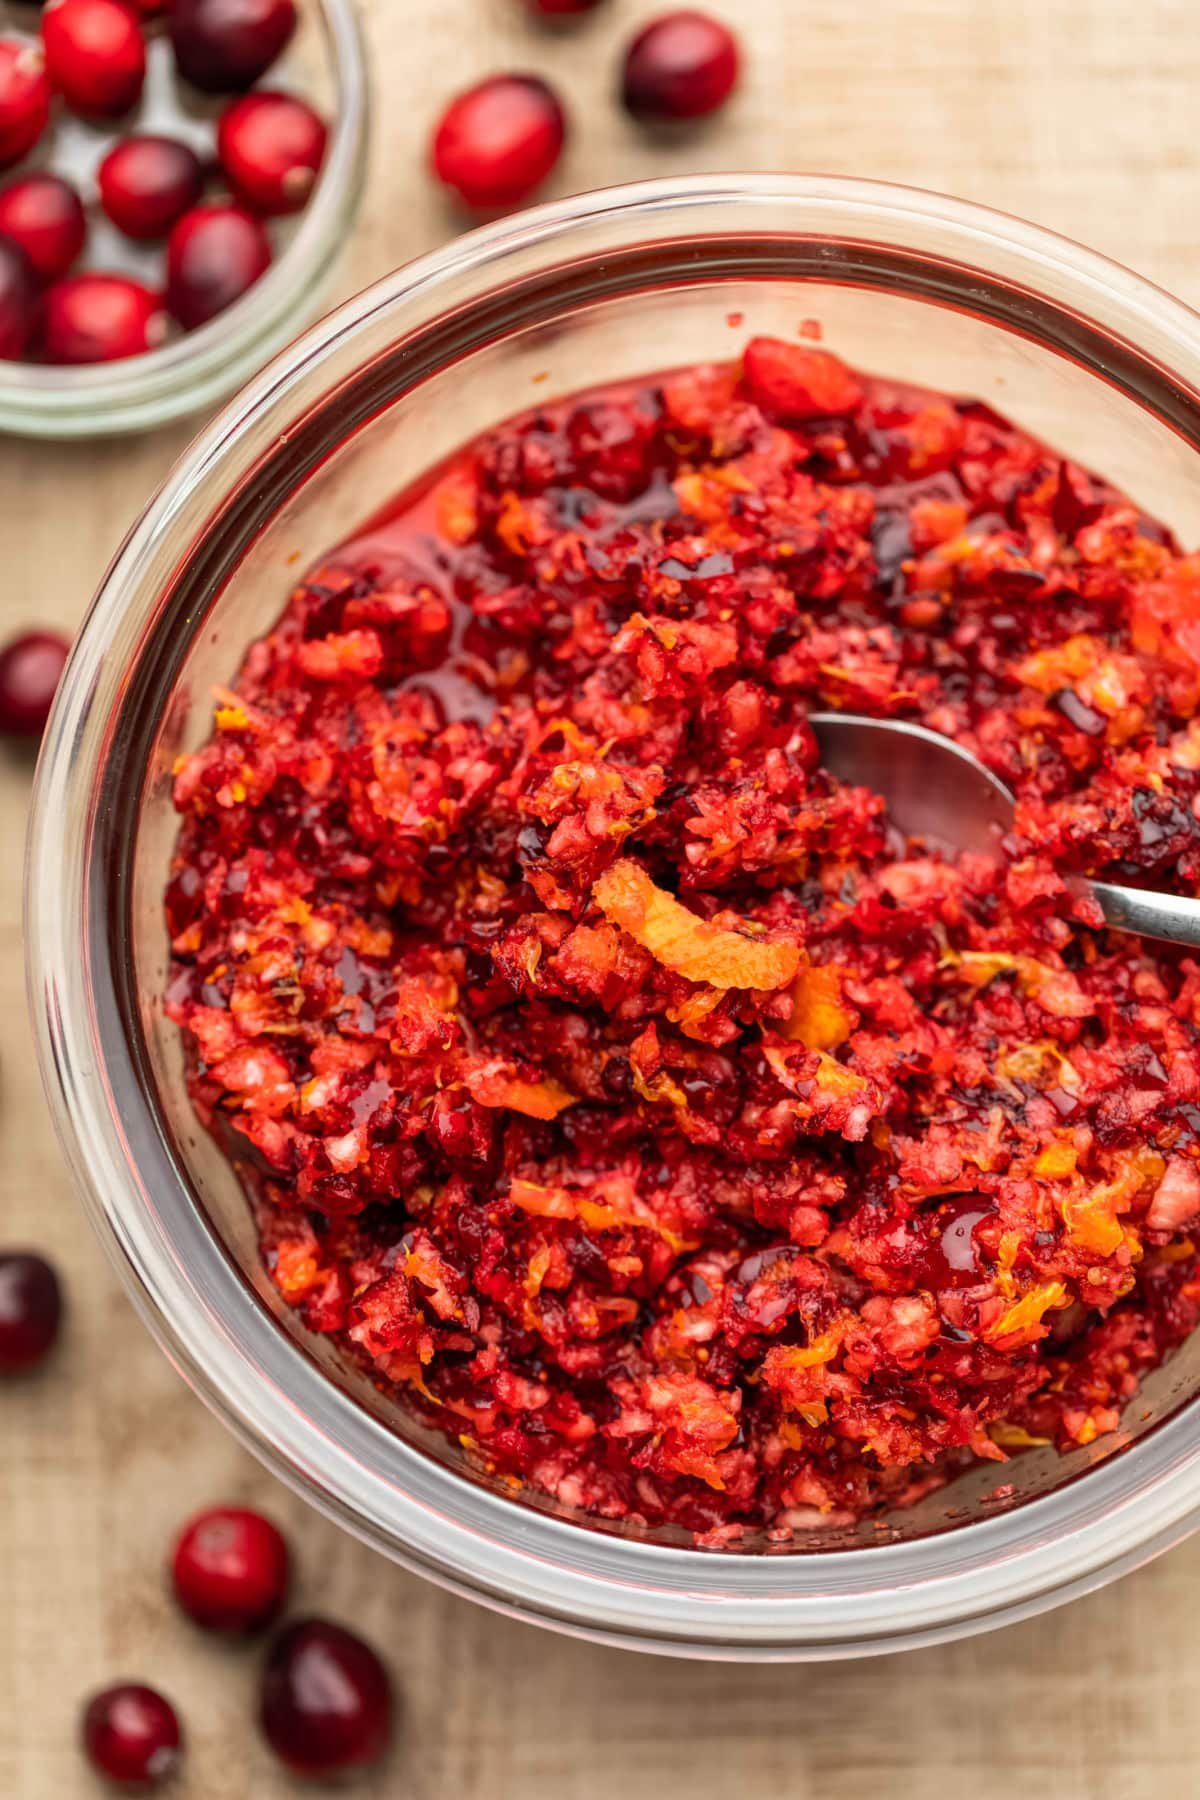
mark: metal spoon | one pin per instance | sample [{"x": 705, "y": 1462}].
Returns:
[{"x": 936, "y": 790}]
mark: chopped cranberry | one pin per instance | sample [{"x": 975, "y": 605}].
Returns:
[
  {"x": 101, "y": 318},
  {"x": 94, "y": 55},
  {"x": 230, "y": 1569},
  {"x": 18, "y": 301},
  {"x": 30, "y": 669},
  {"x": 271, "y": 147},
  {"x": 24, "y": 98},
  {"x": 224, "y": 45},
  {"x": 148, "y": 182},
  {"x": 680, "y": 66},
  {"x": 30, "y": 1310},
  {"x": 44, "y": 215},
  {"x": 326, "y": 1699},
  {"x": 214, "y": 254},
  {"x": 131, "y": 1734},
  {"x": 497, "y": 141}
]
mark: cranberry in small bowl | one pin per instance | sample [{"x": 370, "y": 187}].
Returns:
[{"x": 124, "y": 142}]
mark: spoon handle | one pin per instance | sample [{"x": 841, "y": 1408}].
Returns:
[{"x": 1164, "y": 916}]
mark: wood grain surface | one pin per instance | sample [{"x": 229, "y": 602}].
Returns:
[{"x": 1080, "y": 114}]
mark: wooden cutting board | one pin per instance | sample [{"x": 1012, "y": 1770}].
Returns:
[{"x": 1080, "y": 114}]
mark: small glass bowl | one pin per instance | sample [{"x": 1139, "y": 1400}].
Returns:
[
  {"x": 326, "y": 62},
  {"x": 596, "y": 288}
]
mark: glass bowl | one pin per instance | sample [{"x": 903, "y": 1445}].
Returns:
[
  {"x": 326, "y": 62},
  {"x": 605, "y": 285}
]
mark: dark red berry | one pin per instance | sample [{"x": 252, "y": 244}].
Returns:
[
  {"x": 24, "y": 98},
  {"x": 148, "y": 182},
  {"x": 561, "y": 9},
  {"x": 95, "y": 56},
  {"x": 271, "y": 147},
  {"x": 43, "y": 214},
  {"x": 230, "y": 1569},
  {"x": 225, "y": 45},
  {"x": 131, "y": 1734},
  {"x": 18, "y": 301},
  {"x": 30, "y": 668},
  {"x": 680, "y": 66},
  {"x": 326, "y": 1699},
  {"x": 30, "y": 1297},
  {"x": 497, "y": 141},
  {"x": 100, "y": 318},
  {"x": 214, "y": 254}
]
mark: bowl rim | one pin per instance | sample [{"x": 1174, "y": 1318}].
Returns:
[{"x": 817, "y": 1604}]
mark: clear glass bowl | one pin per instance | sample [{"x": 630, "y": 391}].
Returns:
[
  {"x": 910, "y": 284},
  {"x": 326, "y": 62}
]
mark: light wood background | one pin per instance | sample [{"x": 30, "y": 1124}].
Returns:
[{"x": 1080, "y": 114}]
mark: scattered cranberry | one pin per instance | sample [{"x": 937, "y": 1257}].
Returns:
[
  {"x": 18, "y": 301},
  {"x": 224, "y": 45},
  {"x": 131, "y": 1734},
  {"x": 24, "y": 98},
  {"x": 230, "y": 1569},
  {"x": 148, "y": 182},
  {"x": 271, "y": 147},
  {"x": 680, "y": 66},
  {"x": 214, "y": 254},
  {"x": 43, "y": 214},
  {"x": 326, "y": 1699},
  {"x": 101, "y": 318},
  {"x": 94, "y": 55},
  {"x": 497, "y": 141},
  {"x": 30, "y": 1301}
]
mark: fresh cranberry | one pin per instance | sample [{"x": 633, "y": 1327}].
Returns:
[
  {"x": 680, "y": 66},
  {"x": 224, "y": 45},
  {"x": 30, "y": 1310},
  {"x": 44, "y": 215},
  {"x": 24, "y": 98},
  {"x": 131, "y": 1734},
  {"x": 496, "y": 142},
  {"x": 230, "y": 1569},
  {"x": 271, "y": 147},
  {"x": 326, "y": 1699},
  {"x": 94, "y": 55},
  {"x": 30, "y": 669},
  {"x": 96, "y": 318},
  {"x": 214, "y": 254},
  {"x": 18, "y": 301},
  {"x": 148, "y": 182}
]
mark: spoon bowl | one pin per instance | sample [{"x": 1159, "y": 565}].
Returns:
[{"x": 937, "y": 791}]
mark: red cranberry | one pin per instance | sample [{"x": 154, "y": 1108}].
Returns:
[
  {"x": 326, "y": 1699},
  {"x": 131, "y": 1734},
  {"x": 271, "y": 147},
  {"x": 101, "y": 318},
  {"x": 24, "y": 98},
  {"x": 680, "y": 66},
  {"x": 224, "y": 45},
  {"x": 214, "y": 254},
  {"x": 30, "y": 668},
  {"x": 147, "y": 182},
  {"x": 30, "y": 1310},
  {"x": 44, "y": 215},
  {"x": 497, "y": 141},
  {"x": 230, "y": 1569},
  {"x": 94, "y": 55},
  {"x": 18, "y": 301}
]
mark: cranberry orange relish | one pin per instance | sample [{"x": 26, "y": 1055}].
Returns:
[{"x": 607, "y": 1077}]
